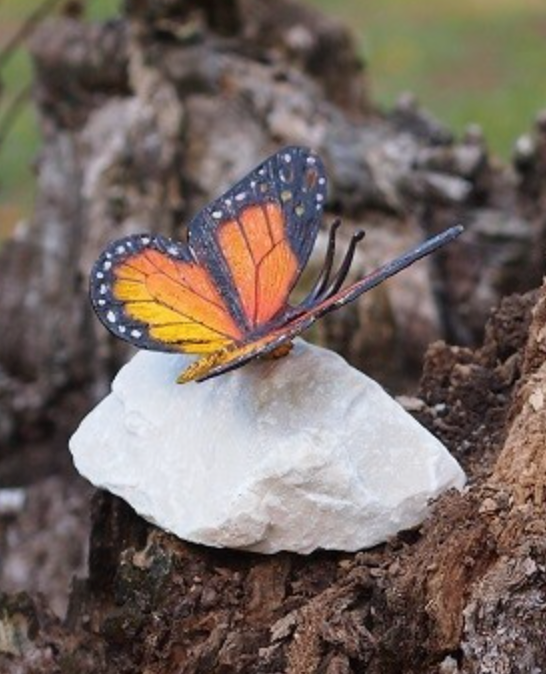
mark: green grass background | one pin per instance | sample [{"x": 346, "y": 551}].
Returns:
[{"x": 468, "y": 61}]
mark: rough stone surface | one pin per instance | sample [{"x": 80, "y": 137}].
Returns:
[{"x": 295, "y": 454}]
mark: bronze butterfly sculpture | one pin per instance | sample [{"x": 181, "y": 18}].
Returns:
[{"x": 225, "y": 293}]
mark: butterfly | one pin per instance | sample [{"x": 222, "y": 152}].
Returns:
[{"x": 224, "y": 294}]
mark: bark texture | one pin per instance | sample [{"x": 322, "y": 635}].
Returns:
[{"x": 144, "y": 120}]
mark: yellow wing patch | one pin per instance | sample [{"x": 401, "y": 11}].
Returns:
[{"x": 176, "y": 300}]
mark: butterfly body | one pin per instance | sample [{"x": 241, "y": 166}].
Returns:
[{"x": 224, "y": 295}]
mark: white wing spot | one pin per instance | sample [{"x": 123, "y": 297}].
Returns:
[
  {"x": 136, "y": 333},
  {"x": 322, "y": 181},
  {"x": 120, "y": 250},
  {"x": 107, "y": 265},
  {"x": 103, "y": 289},
  {"x": 101, "y": 303},
  {"x": 173, "y": 250},
  {"x": 217, "y": 215},
  {"x": 99, "y": 275},
  {"x": 320, "y": 197},
  {"x": 287, "y": 158},
  {"x": 240, "y": 196},
  {"x": 311, "y": 161},
  {"x": 122, "y": 329},
  {"x": 145, "y": 240},
  {"x": 111, "y": 316},
  {"x": 228, "y": 202}
]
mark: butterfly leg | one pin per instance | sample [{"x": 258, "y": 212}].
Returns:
[
  {"x": 324, "y": 276},
  {"x": 344, "y": 267}
]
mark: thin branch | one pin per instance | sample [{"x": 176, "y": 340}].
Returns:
[{"x": 27, "y": 28}]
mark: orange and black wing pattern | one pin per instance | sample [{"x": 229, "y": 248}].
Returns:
[
  {"x": 230, "y": 283},
  {"x": 256, "y": 239},
  {"x": 149, "y": 291}
]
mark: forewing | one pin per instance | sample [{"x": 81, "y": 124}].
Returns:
[
  {"x": 256, "y": 239},
  {"x": 149, "y": 291}
]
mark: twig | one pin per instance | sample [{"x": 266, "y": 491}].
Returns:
[{"x": 26, "y": 29}]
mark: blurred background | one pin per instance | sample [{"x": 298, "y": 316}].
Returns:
[{"x": 467, "y": 61}]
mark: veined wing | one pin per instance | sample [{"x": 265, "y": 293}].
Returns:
[
  {"x": 149, "y": 291},
  {"x": 256, "y": 239},
  {"x": 244, "y": 254}
]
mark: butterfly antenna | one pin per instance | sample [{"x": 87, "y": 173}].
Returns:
[
  {"x": 324, "y": 276},
  {"x": 345, "y": 265}
]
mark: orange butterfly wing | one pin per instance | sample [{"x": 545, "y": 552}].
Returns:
[
  {"x": 230, "y": 284},
  {"x": 260, "y": 260},
  {"x": 148, "y": 291}
]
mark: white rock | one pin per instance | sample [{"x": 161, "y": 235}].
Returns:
[{"x": 295, "y": 454}]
